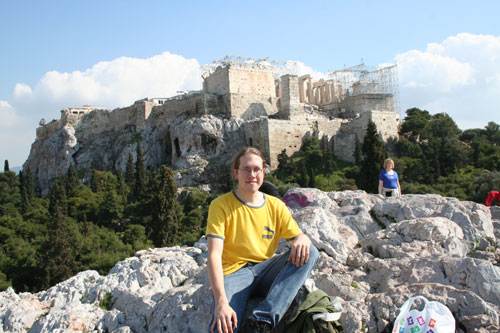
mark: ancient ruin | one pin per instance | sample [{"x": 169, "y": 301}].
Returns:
[{"x": 244, "y": 101}]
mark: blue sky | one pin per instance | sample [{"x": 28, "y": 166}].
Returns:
[{"x": 56, "y": 54}]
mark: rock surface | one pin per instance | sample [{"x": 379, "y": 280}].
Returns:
[{"x": 375, "y": 253}]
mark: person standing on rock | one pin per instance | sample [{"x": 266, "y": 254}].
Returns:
[
  {"x": 243, "y": 231},
  {"x": 388, "y": 180}
]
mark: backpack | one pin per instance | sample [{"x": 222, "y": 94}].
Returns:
[{"x": 317, "y": 313}]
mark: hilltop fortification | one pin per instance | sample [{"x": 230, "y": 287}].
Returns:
[{"x": 244, "y": 102}]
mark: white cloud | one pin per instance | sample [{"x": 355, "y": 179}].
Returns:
[
  {"x": 460, "y": 76},
  {"x": 299, "y": 68},
  {"x": 109, "y": 84},
  {"x": 8, "y": 116}
]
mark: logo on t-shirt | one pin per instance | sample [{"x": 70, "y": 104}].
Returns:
[{"x": 267, "y": 236}]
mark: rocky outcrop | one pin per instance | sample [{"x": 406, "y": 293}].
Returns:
[
  {"x": 375, "y": 253},
  {"x": 197, "y": 146}
]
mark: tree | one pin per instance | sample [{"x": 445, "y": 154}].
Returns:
[
  {"x": 122, "y": 188},
  {"x": 140, "y": 174},
  {"x": 6, "y": 166},
  {"x": 58, "y": 201},
  {"x": 96, "y": 184},
  {"x": 416, "y": 124},
  {"x": 493, "y": 133},
  {"x": 72, "y": 179},
  {"x": 312, "y": 153},
  {"x": 129, "y": 171},
  {"x": 312, "y": 178},
  {"x": 303, "y": 182},
  {"x": 358, "y": 154},
  {"x": 25, "y": 201},
  {"x": 445, "y": 135},
  {"x": 165, "y": 221},
  {"x": 329, "y": 166},
  {"x": 374, "y": 154},
  {"x": 59, "y": 259}
]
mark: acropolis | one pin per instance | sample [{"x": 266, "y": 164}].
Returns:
[{"x": 243, "y": 102}]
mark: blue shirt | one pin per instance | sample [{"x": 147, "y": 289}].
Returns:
[{"x": 390, "y": 181}]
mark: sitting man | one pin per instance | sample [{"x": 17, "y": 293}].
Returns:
[{"x": 243, "y": 230}]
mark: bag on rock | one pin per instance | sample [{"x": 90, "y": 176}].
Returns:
[{"x": 434, "y": 318}]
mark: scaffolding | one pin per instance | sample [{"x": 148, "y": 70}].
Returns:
[
  {"x": 278, "y": 67},
  {"x": 355, "y": 80},
  {"x": 246, "y": 62},
  {"x": 361, "y": 79}
]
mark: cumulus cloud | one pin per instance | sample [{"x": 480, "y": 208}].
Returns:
[
  {"x": 459, "y": 76},
  {"x": 108, "y": 84},
  {"x": 8, "y": 116}
]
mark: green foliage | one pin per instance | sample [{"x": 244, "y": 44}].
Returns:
[
  {"x": 107, "y": 302},
  {"x": 165, "y": 224},
  {"x": 129, "y": 171},
  {"x": 140, "y": 174},
  {"x": 374, "y": 154},
  {"x": 45, "y": 240}
]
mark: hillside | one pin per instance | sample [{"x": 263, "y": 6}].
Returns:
[{"x": 375, "y": 253}]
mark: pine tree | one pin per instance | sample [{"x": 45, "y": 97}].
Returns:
[
  {"x": 358, "y": 155},
  {"x": 59, "y": 258},
  {"x": 25, "y": 203},
  {"x": 95, "y": 183},
  {"x": 303, "y": 174},
  {"x": 312, "y": 178},
  {"x": 29, "y": 184},
  {"x": 140, "y": 174},
  {"x": 374, "y": 154},
  {"x": 165, "y": 220},
  {"x": 329, "y": 166},
  {"x": 58, "y": 201},
  {"x": 129, "y": 171},
  {"x": 122, "y": 189},
  {"x": 6, "y": 166},
  {"x": 72, "y": 179},
  {"x": 26, "y": 189}
]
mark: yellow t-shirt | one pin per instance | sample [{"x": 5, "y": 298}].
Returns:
[{"x": 250, "y": 234}]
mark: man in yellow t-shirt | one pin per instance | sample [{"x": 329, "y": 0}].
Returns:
[{"x": 243, "y": 231}]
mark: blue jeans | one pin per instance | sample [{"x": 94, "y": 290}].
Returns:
[{"x": 276, "y": 279}]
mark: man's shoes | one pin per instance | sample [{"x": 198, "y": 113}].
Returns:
[{"x": 257, "y": 326}]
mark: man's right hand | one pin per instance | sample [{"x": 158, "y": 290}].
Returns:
[{"x": 224, "y": 318}]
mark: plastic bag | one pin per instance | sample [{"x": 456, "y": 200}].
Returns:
[{"x": 434, "y": 318}]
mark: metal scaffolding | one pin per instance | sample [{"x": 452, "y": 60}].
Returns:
[
  {"x": 361, "y": 79},
  {"x": 355, "y": 80}
]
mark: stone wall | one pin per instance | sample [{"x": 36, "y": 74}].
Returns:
[
  {"x": 345, "y": 140},
  {"x": 217, "y": 82},
  {"x": 257, "y": 134},
  {"x": 364, "y": 102},
  {"x": 250, "y": 92},
  {"x": 286, "y": 134}
]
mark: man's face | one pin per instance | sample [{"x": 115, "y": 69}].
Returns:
[{"x": 250, "y": 174}]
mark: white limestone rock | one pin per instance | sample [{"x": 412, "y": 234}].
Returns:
[{"x": 375, "y": 253}]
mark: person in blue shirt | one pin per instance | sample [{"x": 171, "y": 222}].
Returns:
[{"x": 388, "y": 180}]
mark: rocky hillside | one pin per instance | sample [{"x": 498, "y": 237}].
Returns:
[
  {"x": 375, "y": 253},
  {"x": 196, "y": 146}
]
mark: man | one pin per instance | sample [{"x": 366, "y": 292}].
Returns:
[{"x": 243, "y": 231}]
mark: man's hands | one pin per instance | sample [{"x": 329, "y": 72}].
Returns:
[
  {"x": 224, "y": 318},
  {"x": 299, "y": 254}
]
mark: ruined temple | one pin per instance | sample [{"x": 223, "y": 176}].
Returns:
[{"x": 244, "y": 102}]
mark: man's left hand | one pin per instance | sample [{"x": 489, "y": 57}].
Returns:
[{"x": 299, "y": 253}]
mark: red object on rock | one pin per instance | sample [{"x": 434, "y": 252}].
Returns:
[{"x": 492, "y": 196}]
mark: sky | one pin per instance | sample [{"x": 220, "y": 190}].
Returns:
[{"x": 58, "y": 54}]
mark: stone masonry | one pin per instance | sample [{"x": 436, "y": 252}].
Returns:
[{"x": 241, "y": 104}]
